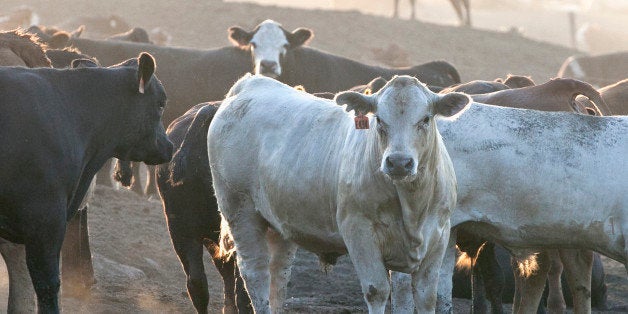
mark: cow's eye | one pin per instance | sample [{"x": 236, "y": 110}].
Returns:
[
  {"x": 423, "y": 123},
  {"x": 381, "y": 126},
  {"x": 426, "y": 120}
]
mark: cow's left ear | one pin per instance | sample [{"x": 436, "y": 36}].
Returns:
[
  {"x": 145, "y": 69},
  {"x": 357, "y": 101},
  {"x": 299, "y": 37},
  {"x": 239, "y": 37},
  {"x": 451, "y": 104}
]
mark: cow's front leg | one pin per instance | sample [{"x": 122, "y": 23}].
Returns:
[
  {"x": 425, "y": 279},
  {"x": 366, "y": 256},
  {"x": 578, "y": 266},
  {"x": 21, "y": 293},
  {"x": 444, "y": 302}
]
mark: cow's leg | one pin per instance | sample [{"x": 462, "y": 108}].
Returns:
[
  {"x": 21, "y": 293},
  {"x": 281, "y": 258},
  {"x": 122, "y": 173},
  {"x": 367, "y": 260},
  {"x": 491, "y": 274},
  {"x": 578, "y": 265},
  {"x": 190, "y": 253},
  {"x": 226, "y": 267},
  {"x": 531, "y": 289},
  {"x": 77, "y": 272},
  {"x": 467, "y": 9},
  {"x": 43, "y": 241},
  {"x": 444, "y": 302},
  {"x": 104, "y": 174},
  {"x": 402, "y": 300},
  {"x": 478, "y": 289},
  {"x": 555, "y": 299},
  {"x": 396, "y": 9},
  {"x": 425, "y": 279},
  {"x": 136, "y": 184},
  {"x": 413, "y": 9},
  {"x": 242, "y": 297},
  {"x": 151, "y": 182},
  {"x": 248, "y": 231}
]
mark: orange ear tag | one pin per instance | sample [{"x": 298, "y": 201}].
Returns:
[{"x": 361, "y": 122}]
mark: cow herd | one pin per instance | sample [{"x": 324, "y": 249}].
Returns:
[{"x": 273, "y": 146}]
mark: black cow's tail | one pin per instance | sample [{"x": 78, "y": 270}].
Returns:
[{"x": 191, "y": 160}]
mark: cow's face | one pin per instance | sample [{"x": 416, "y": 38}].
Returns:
[
  {"x": 269, "y": 43},
  {"x": 405, "y": 110},
  {"x": 148, "y": 141}
]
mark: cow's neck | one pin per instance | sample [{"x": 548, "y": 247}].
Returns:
[{"x": 425, "y": 195}]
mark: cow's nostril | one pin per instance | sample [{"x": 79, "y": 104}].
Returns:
[
  {"x": 389, "y": 163},
  {"x": 409, "y": 165}
]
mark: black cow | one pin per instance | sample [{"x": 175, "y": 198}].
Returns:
[
  {"x": 191, "y": 211},
  {"x": 59, "y": 127}
]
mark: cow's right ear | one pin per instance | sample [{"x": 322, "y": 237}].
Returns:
[
  {"x": 239, "y": 36},
  {"x": 77, "y": 32},
  {"x": 83, "y": 63},
  {"x": 145, "y": 69},
  {"x": 359, "y": 102}
]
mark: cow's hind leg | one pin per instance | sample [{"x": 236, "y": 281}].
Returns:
[
  {"x": 151, "y": 182},
  {"x": 21, "y": 293},
  {"x": 190, "y": 252},
  {"x": 76, "y": 258},
  {"x": 531, "y": 285},
  {"x": 578, "y": 265},
  {"x": 248, "y": 231},
  {"x": 555, "y": 299},
  {"x": 136, "y": 184},
  {"x": 282, "y": 254}
]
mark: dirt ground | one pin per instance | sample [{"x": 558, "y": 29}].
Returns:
[{"x": 136, "y": 268}]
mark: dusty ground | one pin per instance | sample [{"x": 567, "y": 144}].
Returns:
[{"x": 136, "y": 267}]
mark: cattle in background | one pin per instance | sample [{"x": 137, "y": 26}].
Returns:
[
  {"x": 343, "y": 190},
  {"x": 516, "y": 81},
  {"x": 598, "y": 70},
  {"x": 98, "y": 27},
  {"x": 136, "y": 35},
  {"x": 124, "y": 106},
  {"x": 462, "y": 8},
  {"x": 526, "y": 170},
  {"x": 217, "y": 69},
  {"x": 21, "y": 49},
  {"x": 192, "y": 213},
  {"x": 615, "y": 95}
]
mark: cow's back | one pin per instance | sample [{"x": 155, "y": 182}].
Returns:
[{"x": 524, "y": 171}]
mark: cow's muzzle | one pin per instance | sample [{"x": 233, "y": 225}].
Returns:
[{"x": 398, "y": 166}]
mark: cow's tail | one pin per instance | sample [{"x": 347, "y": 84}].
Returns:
[
  {"x": 464, "y": 262},
  {"x": 527, "y": 266},
  {"x": 191, "y": 156},
  {"x": 225, "y": 250}
]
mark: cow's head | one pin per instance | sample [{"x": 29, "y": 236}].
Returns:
[
  {"x": 269, "y": 42},
  {"x": 144, "y": 99},
  {"x": 405, "y": 110}
]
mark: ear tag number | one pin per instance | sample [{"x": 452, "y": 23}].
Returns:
[{"x": 361, "y": 122}]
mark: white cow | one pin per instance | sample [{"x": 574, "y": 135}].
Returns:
[
  {"x": 291, "y": 169},
  {"x": 533, "y": 180}
]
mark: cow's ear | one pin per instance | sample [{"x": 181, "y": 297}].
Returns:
[
  {"x": 59, "y": 40},
  {"x": 77, "y": 32},
  {"x": 239, "y": 36},
  {"x": 376, "y": 84},
  {"x": 451, "y": 104},
  {"x": 357, "y": 101},
  {"x": 299, "y": 37},
  {"x": 83, "y": 63},
  {"x": 145, "y": 69}
]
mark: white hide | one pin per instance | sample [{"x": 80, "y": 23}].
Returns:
[
  {"x": 269, "y": 44},
  {"x": 534, "y": 180},
  {"x": 283, "y": 159}
]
